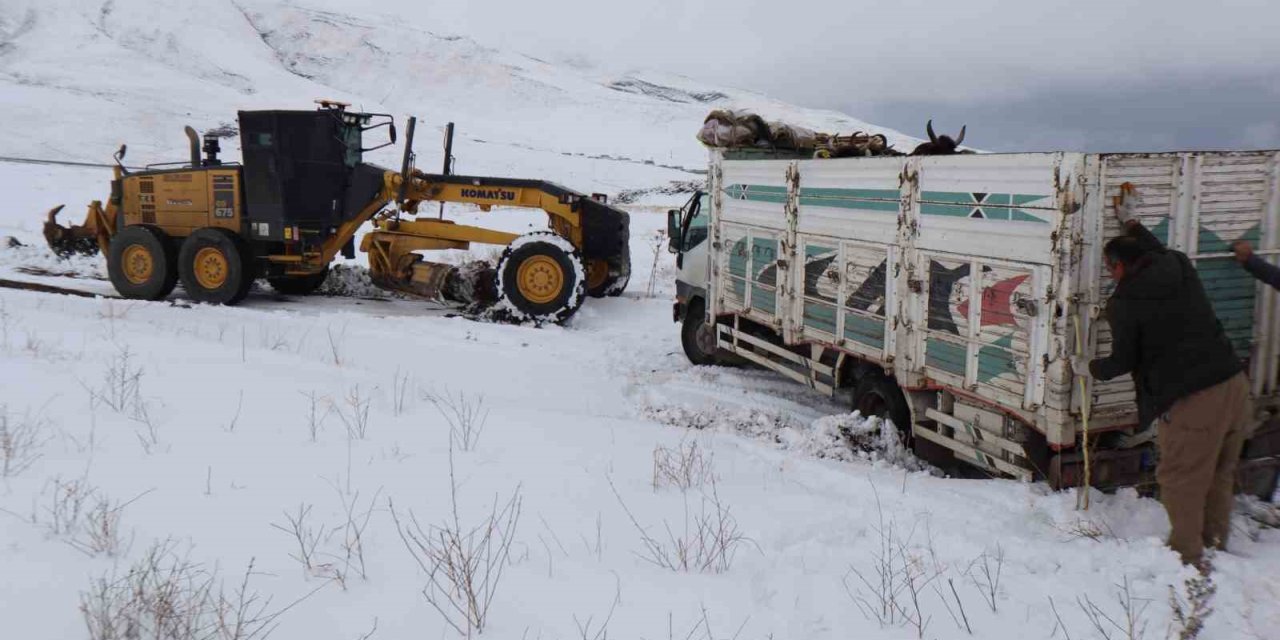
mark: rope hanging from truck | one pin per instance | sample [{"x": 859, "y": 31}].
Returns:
[{"x": 1082, "y": 499}]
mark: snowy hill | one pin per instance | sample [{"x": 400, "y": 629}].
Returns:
[{"x": 136, "y": 72}]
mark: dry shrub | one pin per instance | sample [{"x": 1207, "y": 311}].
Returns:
[{"x": 684, "y": 466}]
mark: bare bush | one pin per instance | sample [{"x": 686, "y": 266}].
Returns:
[
  {"x": 656, "y": 242},
  {"x": 350, "y": 554},
  {"x": 121, "y": 391},
  {"x": 964, "y": 617},
  {"x": 464, "y": 565},
  {"x": 166, "y": 596},
  {"x": 684, "y": 466},
  {"x": 235, "y": 419},
  {"x": 889, "y": 592},
  {"x": 5, "y": 319},
  {"x": 588, "y": 630},
  {"x": 1191, "y": 611},
  {"x": 399, "y": 391},
  {"x": 68, "y": 505},
  {"x": 356, "y": 414},
  {"x": 102, "y": 530},
  {"x": 314, "y": 416},
  {"x": 21, "y": 439},
  {"x": 707, "y": 543},
  {"x": 336, "y": 344},
  {"x": 985, "y": 572},
  {"x": 466, "y": 415},
  {"x": 85, "y": 518},
  {"x": 1129, "y": 624},
  {"x": 306, "y": 535},
  {"x": 1092, "y": 529}
]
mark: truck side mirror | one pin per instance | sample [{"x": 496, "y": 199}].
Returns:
[
  {"x": 673, "y": 230},
  {"x": 393, "y": 132}
]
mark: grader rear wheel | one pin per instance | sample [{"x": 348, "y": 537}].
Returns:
[
  {"x": 215, "y": 266},
  {"x": 541, "y": 278}
]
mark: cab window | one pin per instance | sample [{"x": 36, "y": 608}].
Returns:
[{"x": 696, "y": 227}]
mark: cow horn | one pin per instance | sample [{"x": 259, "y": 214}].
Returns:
[
  {"x": 929, "y": 127},
  {"x": 960, "y": 138}
]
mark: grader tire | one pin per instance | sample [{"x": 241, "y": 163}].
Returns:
[
  {"x": 598, "y": 278},
  {"x": 541, "y": 278},
  {"x": 141, "y": 263},
  {"x": 298, "y": 285},
  {"x": 215, "y": 266}
]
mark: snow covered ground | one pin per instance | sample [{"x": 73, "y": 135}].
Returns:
[{"x": 211, "y": 428}]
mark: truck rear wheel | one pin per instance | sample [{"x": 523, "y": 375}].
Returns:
[
  {"x": 698, "y": 337},
  {"x": 540, "y": 277},
  {"x": 299, "y": 285},
  {"x": 215, "y": 268},
  {"x": 879, "y": 395},
  {"x": 141, "y": 263}
]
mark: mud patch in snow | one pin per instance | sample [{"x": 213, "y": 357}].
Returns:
[{"x": 843, "y": 437}]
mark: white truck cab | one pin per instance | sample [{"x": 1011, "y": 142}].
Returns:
[{"x": 687, "y": 233}]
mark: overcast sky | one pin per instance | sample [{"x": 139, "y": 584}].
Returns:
[{"x": 1022, "y": 74}]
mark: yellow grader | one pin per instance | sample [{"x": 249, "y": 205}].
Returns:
[{"x": 298, "y": 199}]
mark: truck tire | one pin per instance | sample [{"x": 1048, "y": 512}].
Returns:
[
  {"x": 540, "y": 278},
  {"x": 877, "y": 394},
  {"x": 299, "y": 285},
  {"x": 698, "y": 337},
  {"x": 141, "y": 263},
  {"x": 215, "y": 266}
]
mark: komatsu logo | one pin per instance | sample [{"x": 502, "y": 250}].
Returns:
[{"x": 489, "y": 194}]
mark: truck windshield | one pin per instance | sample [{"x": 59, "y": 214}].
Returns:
[{"x": 696, "y": 227}]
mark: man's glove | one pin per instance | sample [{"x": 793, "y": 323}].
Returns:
[
  {"x": 1080, "y": 366},
  {"x": 1126, "y": 204}
]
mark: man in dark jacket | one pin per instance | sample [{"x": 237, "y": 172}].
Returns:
[
  {"x": 1261, "y": 269},
  {"x": 1189, "y": 382}
]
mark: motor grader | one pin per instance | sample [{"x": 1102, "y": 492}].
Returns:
[{"x": 300, "y": 195}]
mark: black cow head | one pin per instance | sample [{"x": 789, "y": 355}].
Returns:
[{"x": 938, "y": 145}]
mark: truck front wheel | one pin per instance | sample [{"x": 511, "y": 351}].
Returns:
[{"x": 698, "y": 337}]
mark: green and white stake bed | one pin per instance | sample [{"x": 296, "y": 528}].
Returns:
[{"x": 945, "y": 292}]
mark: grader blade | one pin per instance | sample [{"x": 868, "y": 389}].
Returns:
[{"x": 67, "y": 241}]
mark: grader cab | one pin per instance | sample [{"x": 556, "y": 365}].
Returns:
[{"x": 297, "y": 200}]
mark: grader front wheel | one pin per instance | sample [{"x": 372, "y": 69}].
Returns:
[{"x": 541, "y": 278}]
